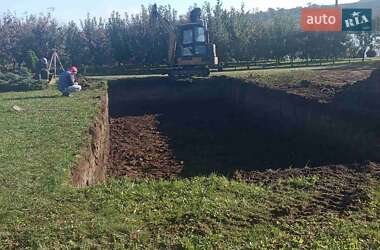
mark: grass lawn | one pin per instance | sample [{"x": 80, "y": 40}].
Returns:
[{"x": 39, "y": 209}]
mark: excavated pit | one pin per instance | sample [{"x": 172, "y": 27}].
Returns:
[{"x": 160, "y": 129}]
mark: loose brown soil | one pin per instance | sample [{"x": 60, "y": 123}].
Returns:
[
  {"x": 323, "y": 85},
  {"x": 338, "y": 189},
  {"x": 139, "y": 150}
]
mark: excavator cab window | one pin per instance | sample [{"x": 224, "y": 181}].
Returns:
[
  {"x": 199, "y": 34},
  {"x": 187, "y": 37},
  {"x": 193, "y": 41}
]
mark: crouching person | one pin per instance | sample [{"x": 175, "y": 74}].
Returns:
[{"x": 67, "y": 83}]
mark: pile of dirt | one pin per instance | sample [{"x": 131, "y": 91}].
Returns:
[
  {"x": 339, "y": 188},
  {"x": 325, "y": 84}
]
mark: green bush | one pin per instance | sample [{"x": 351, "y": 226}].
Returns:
[
  {"x": 24, "y": 72},
  {"x": 3, "y": 82},
  {"x": 22, "y": 81},
  {"x": 31, "y": 60},
  {"x": 371, "y": 53},
  {"x": 11, "y": 76}
]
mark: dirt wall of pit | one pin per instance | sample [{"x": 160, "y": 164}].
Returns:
[
  {"x": 362, "y": 97},
  {"x": 153, "y": 91},
  {"x": 91, "y": 167},
  {"x": 349, "y": 121}
]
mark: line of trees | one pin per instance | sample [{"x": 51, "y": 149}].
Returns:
[{"x": 240, "y": 35}]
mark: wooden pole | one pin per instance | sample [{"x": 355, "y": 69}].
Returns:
[{"x": 55, "y": 64}]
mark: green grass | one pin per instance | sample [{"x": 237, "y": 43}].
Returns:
[
  {"x": 40, "y": 210},
  {"x": 300, "y": 182}
]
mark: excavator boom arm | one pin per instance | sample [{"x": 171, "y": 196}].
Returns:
[{"x": 169, "y": 28}]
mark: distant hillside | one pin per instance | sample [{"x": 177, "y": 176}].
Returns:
[
  {"x": 296, "y": 12},
  {"x": 372, "y": 4}
]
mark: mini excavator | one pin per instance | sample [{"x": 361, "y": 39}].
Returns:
[{"x": 190, "y": 51}]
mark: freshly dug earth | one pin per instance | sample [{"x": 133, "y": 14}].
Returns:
[
  {"x": 184, "y": 139},
  {"x": 320, "y": 85},
  {"x": 139, "y": 150},
  {"x": 337, "y": 188}
]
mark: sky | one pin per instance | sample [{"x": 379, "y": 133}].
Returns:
[{"x": 66, "y": 10}]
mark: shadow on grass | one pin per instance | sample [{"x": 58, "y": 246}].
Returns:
[
  {"x": 357, "y": 66},
  {"x": 33, "y": 97}
]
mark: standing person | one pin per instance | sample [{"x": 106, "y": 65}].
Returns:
[
  {"x": 43, "y": 70},
  {"x": 67, "y": 83}
]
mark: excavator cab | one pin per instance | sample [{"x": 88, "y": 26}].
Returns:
[
  {"x": 193, "y": 46},
  {"x": 194, "y": 52},
  {"x": 190, "y": 52}
]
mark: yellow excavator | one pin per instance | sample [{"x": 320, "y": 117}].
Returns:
[{"x": 190, "y": 51}]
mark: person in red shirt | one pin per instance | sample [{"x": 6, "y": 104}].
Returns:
[{"x": 67, "y": 83}]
